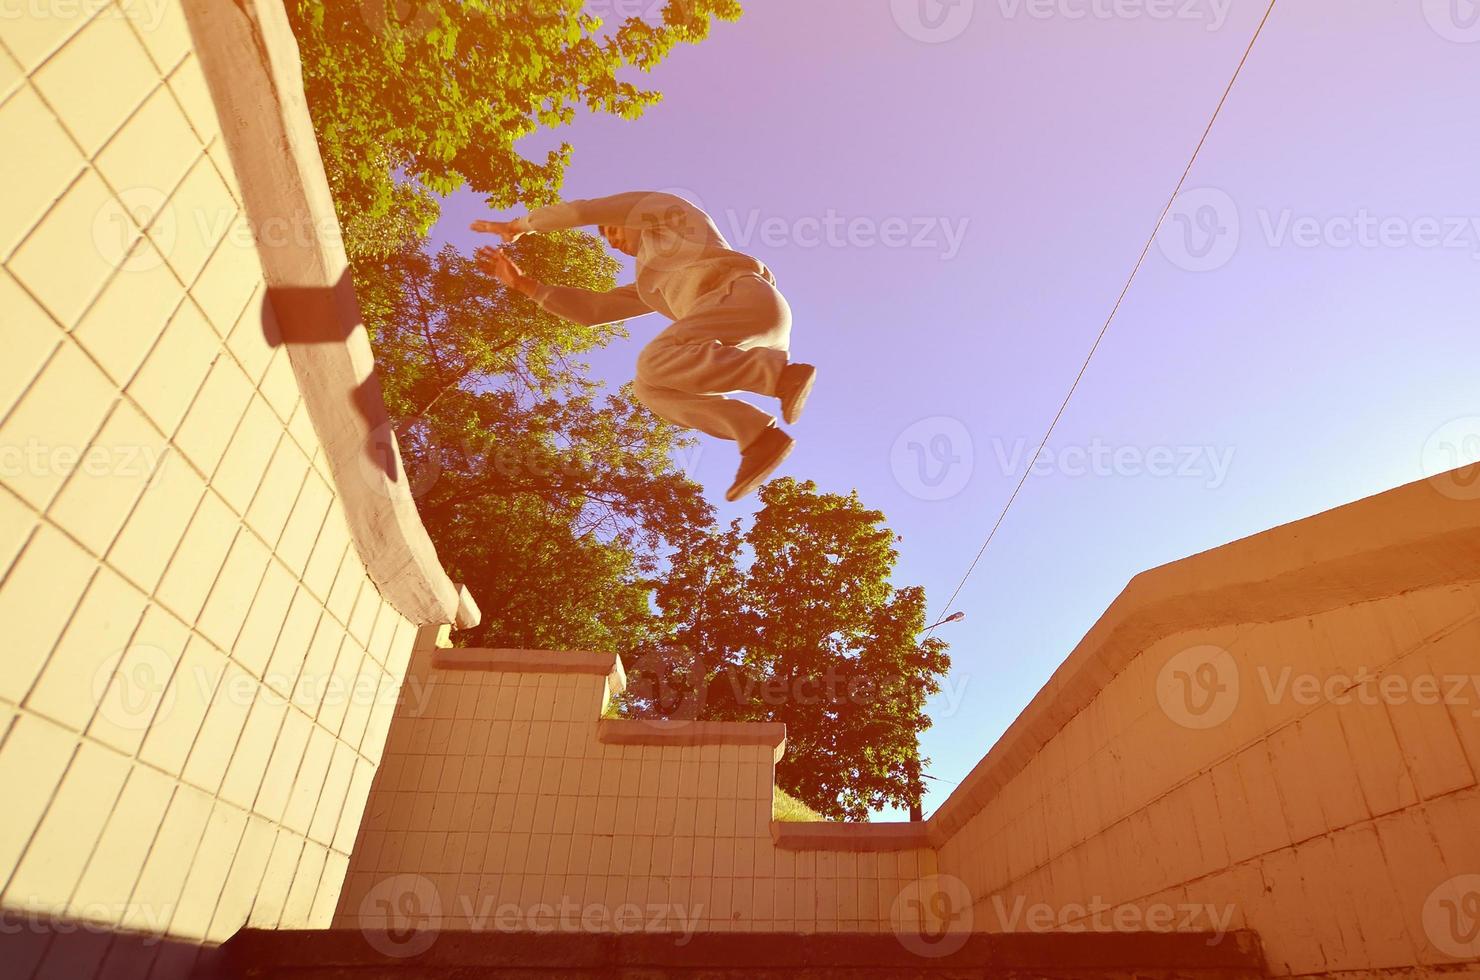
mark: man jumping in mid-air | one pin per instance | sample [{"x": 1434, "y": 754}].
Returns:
[{"x": 731, "y": 327}]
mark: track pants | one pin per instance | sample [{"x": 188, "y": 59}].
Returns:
[{"x": 736, "y": 343}]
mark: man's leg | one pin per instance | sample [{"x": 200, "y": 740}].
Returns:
[{"x": 739, "y": 344}]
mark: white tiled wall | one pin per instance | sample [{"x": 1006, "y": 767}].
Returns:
[
  {"x": 1330, "y": 825},
  {"x": 498, "y": 797},
  {"x": 183, "y": 608}
]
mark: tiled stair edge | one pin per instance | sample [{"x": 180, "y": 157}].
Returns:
[
  {"x": 615, "y": 731},
  {"x": 344, "y": 952},
  {"x": 668, "y": 732},
  {"x": 825, "y": 836},
  {"x": 853, "y": 837},
  {"x": 605, "y": 665},
  {"x": 250, "y": 60}
]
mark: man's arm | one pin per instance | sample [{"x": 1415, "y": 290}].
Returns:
[
  {"x": 634, "y": 209},
  {"x": 590, "y": 308},
  {"x": 581, "y": 306}
]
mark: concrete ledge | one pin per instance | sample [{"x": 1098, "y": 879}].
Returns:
[
  {"x": 850, "y": 836},
  {"x": 1422, "y": 535},
  {"x": 250, "y": 59},
  {"x": 607, "y": 665},
  {"x": 667, "y": 732}
]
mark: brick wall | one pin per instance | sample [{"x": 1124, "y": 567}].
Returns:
[
  {"x": 501, "y": 806},
  {"x": 199, "y": 674}
]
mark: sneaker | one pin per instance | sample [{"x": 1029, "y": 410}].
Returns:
[
  {"x": 796, "y": 384},
  {"x": 759, "y": 460}
]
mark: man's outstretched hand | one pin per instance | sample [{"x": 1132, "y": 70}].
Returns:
[
  {"x": 501, "y": 267},
  {"x": 509, "y": 231}
]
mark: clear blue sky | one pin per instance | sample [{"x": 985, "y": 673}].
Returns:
[{"x": 1308, "y": 322}]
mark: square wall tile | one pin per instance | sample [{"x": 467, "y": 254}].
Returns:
[
  {"x": 158, "y": 522},
  {"x": 213, "y": 418},
  {"x": 248, "y": 766},
  {"x": 167, "y": 383},
  {"x": 33, "y": 180},
  {"x": 37, "y": 600},
  {"x": 138, "y": 689},
  {"x": 277, "y": 879},
  {"x": 230, "y": 279},
  {"x": 153, "y": 151},
  {"x": 199, "y": 213},
  {"x": 79, "y": 669},
  {"x": 53, "y": 863},
  {"x": 158, "y": 892},
  {"x": 207, "y": 872},
  {"x": 54, "y": 422},
  {"x": 264, "y": 623},
  {"x": 248, "y": 455},
  {"x": 162, "y": 28},
  {"x": 114, "y": 868},
  {"x": 33, "y": 760},
  {"x": 31, "y": 39},
  {"x": 17, "y": 521},
  {"x": 196, "y": 564},
  {"x": 248, "y": 866},
  {"x": 111, "y": 476},
  {"x": 189, "y": 86},
  {"x": 221, "y": 729},
  {"x": 30, "y": 338},
  {"x": 78, "y": 246},
  {"x": 275, "y": 498},
  {"x": 131, "y": 313},
  {"x": 235, "y": 588},
  {"x": 105, "y": 48},
  {"x": 183, "y": 707}
]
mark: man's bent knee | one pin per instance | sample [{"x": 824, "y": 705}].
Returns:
[{"x": 653, "y": 361}]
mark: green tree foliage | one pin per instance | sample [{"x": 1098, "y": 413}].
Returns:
[
  {"x": 795, "y": 620},
  {"x": 550, "y": 500},
  {"x": 560, "y": 505},
  {"x": 413, "y": 99}
]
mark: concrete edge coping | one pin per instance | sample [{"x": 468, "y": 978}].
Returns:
[
  {"x": 667, "y": 731},
  {"x": 251, "y": 64},
  {"x": 607, "y": 665},
  {"x": 860, "y": 837}
]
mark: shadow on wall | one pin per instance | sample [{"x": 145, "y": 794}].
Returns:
[
  {"x": 52, "y": 948},
  {"x": 329, "y": 315}
]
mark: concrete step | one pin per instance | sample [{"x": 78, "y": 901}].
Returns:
[{"x": 346, "y": 954}]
